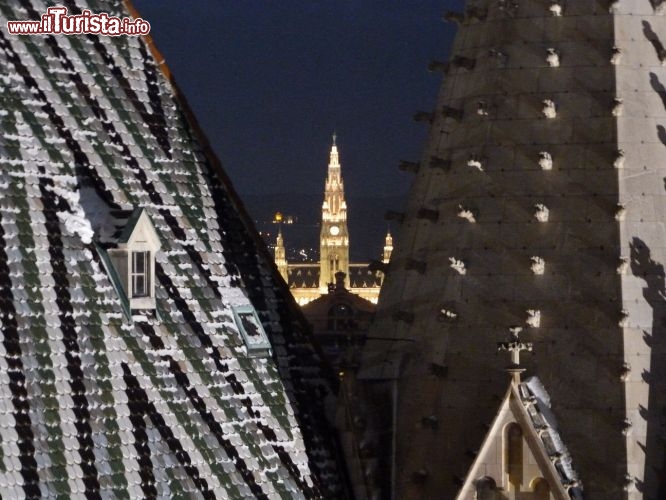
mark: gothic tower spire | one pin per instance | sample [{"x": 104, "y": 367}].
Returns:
[{"x": 334, "y": 236}]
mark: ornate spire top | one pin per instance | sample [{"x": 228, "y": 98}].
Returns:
[
  {"x": 335, "y": 159},
  {"x": 515, "y": 346}
]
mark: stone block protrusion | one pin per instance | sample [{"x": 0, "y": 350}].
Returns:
[
  {"x": 447, "y": 314},
  {"x": 420, "y": 476},
  {"x": 542, "y": 212},
  {"x": 552, "y": 58},
  {"x": 453, "y": 113},
  {"x": 440, "y": 163},
  {"x": 415, "y": 265},
  {"x": 549, "y": 109},
  {"x": 533, "y": 318},
  {"x": 475, "y": 162},
  {"x": 620, "y": 212},
  {"x": 538, "y": 265},
  {"x": 466, "y": 213},
  {"x": 454, "y": 17},
  {"x": 626, "y": 426},
  {"x": 556, "y": 9},
  {"x": 430, "y": 422},
  {"x": 404, "y": 316},
  {"x": 439, "y": 370},
  {"x": 392, "y": 215},
  {"x": 623, "y": 266},
  {"x": 463, "y": 62},
  {"x": 501, "y": 59},
  {"x": 458, "y": 265},
  {"x": 477, "y": 13},
  {"x": 508, "y": 7},
  {"x": 658, "y": 6},
  {"x": 625, "y": 371},
  {"x": 409, "y": 166},
  {"x": 427, "y": 214},
  {"x": 624, "y": 319},
  {"x": 545, "y": 160},
  {"x": 619, "y": 159},
  {"x": 616, "y": 56},
  {"x": 618, "y": 106},
  {"x": 424, "y": 116},
  {"x": 441, "y": 66}
]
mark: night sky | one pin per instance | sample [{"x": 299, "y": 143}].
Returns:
[{"x": 269, "y": 81}]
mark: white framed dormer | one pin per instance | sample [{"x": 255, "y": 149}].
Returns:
[{"x": 134, "y": 259}]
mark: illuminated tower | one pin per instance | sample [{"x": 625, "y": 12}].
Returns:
[
  {"x": 334, "y": 238},
  {"x": 388, "y": 248},
  {"x": 281, "y": 256}
]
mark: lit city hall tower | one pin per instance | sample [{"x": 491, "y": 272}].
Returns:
[
  {"x": 334, "y": 237},
  {"x": 538, "y": 208}
]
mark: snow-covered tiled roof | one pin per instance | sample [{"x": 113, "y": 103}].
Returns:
[
  {"x": 94, "y": 401},
  {"x": 536, "y": 401}
]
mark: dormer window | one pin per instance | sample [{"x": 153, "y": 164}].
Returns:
[
  {"x": 140, "y": 274},
  {"x": 251, "y": 330},
  {"x": 131, "y": 250}
]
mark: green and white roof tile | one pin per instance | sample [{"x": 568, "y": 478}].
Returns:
[{"x": 98, "y": 403}]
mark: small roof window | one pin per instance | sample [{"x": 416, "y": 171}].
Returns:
[{"x": 251, "y": 330}]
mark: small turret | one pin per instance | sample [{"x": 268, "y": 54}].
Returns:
[
  {"x": 281, "y": 256},
  {"x": 388, "y": 247}
]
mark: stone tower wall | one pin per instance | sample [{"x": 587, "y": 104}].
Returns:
[{"x": 596, "y": 162}]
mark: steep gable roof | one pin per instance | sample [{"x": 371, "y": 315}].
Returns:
[
  {"x": 528, "y": 405},
  {"x": 171, "y": 404}
]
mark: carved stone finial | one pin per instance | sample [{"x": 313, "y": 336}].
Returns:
[
  {"x": 619, "y": 159},
  {"x": 458, "y": 265},
  {"x": 552, "y": 58},
  {"x": 515, "y": 346},
  {"x": 618, "y": 106},
  {"x": 545, "y": 160},
  {"x": 533, "y": 318},
  {"x": 549, "y": 110},
  {"x": 541, "y": 213},
  {"x": 616, "y": 56},
  {"x": 466, "y": 213},
  {"x": 538, "y": 265},
  {"x": 475, "y": 162},
  {"x": 620, "y": 212}
]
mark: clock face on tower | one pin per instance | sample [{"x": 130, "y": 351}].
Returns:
[{"x": 334, "y": 230}]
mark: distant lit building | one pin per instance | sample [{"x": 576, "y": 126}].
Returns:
[
  {"x": 340, "y": 321},
  {"x": 308, "y": 281}
]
